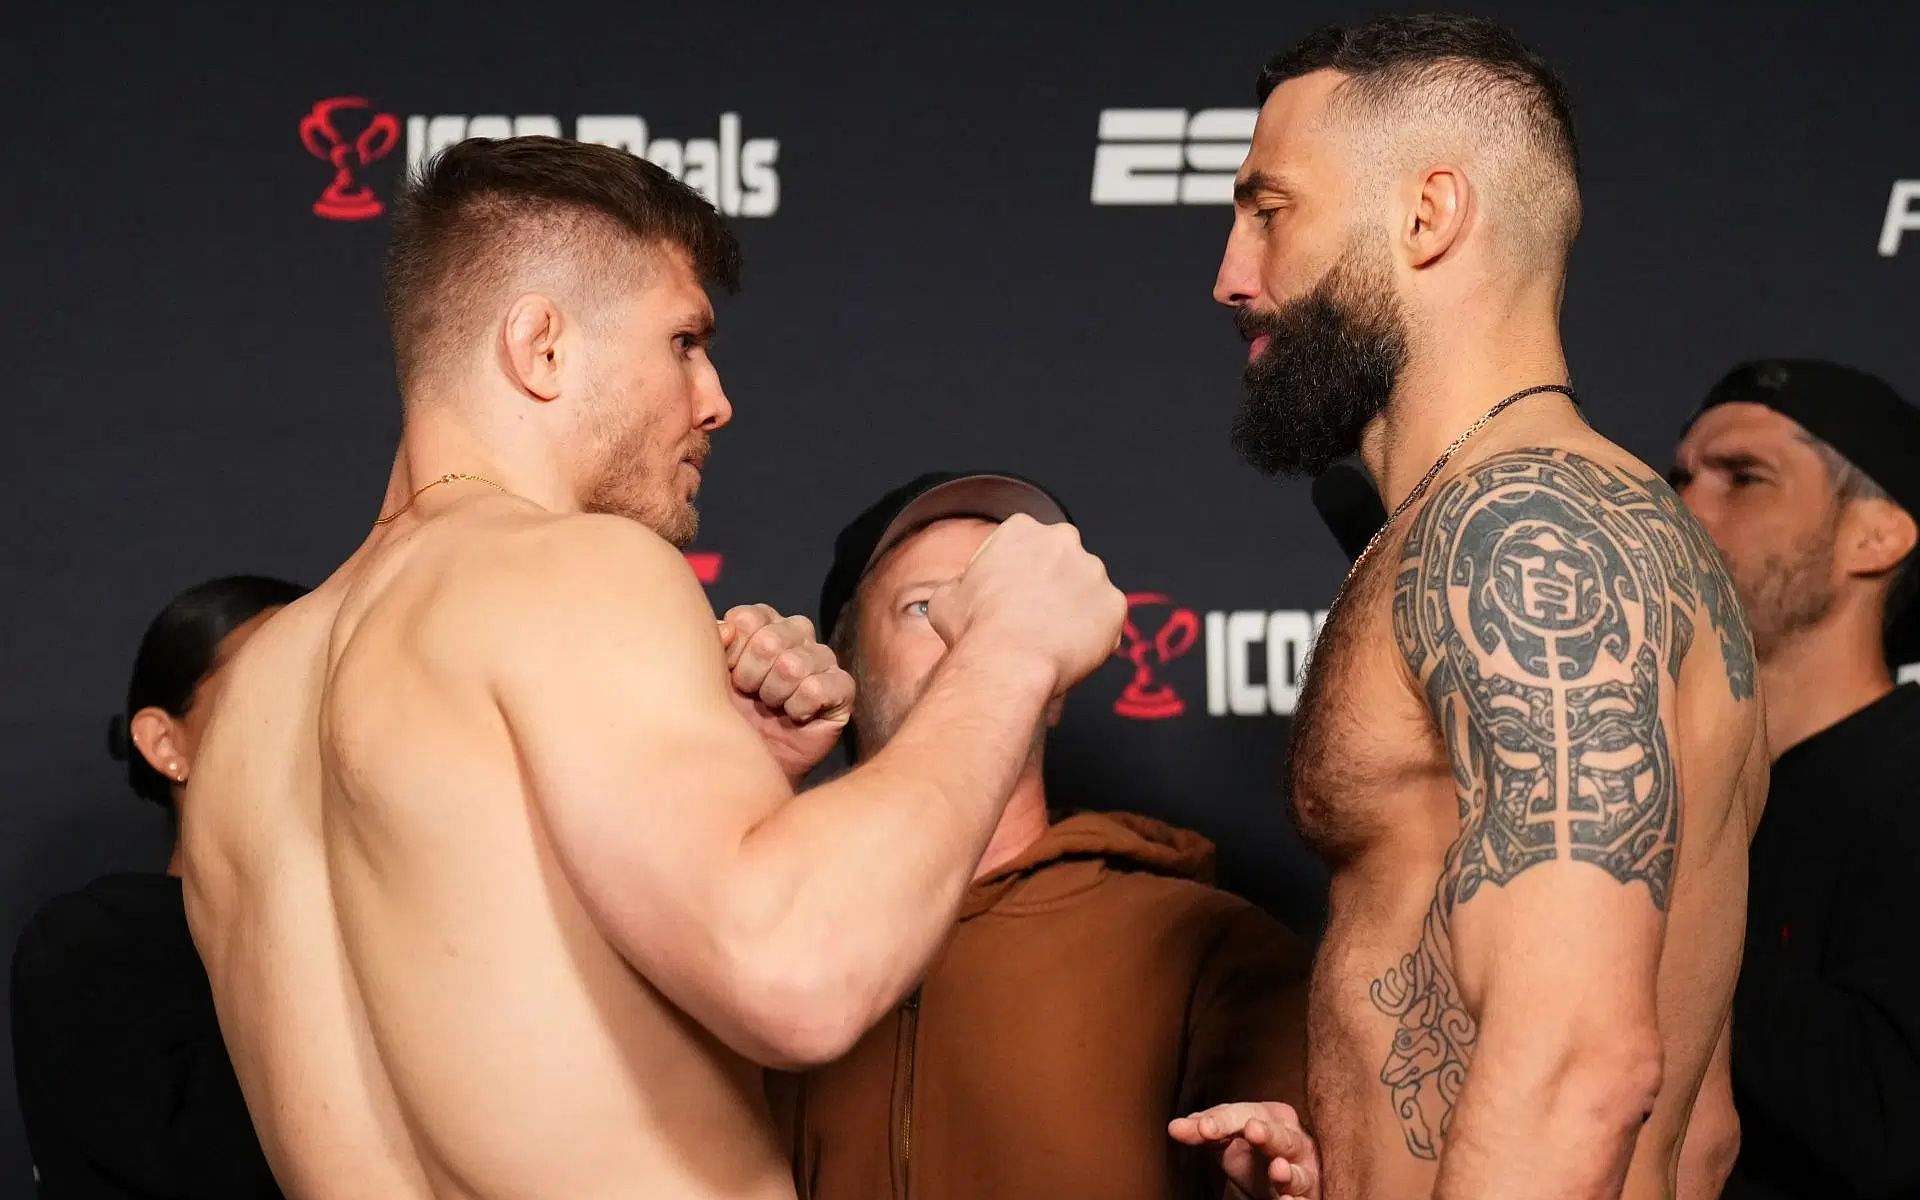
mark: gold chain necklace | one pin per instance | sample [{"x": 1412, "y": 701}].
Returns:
[
  {"x": 1439, "y": 464},
  {"x": 450, "y": 477}
]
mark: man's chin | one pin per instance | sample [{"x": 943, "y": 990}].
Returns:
[
  {"x": 683, "y": 528},
  {"x": 677, "y": 527},
  {"x": 1271, "y": 453}
]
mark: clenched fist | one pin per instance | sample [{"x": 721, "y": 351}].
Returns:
[
  {"x": 1032, "y": 589},
  {"x": 788, "y": 686},
  {"x": 1264, "y": 1152}
]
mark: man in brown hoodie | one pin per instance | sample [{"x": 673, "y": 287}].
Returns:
[{"x": 1094, "y": 988}]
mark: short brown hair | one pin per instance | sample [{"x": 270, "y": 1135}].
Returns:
[{"x": 477, "y": 208}]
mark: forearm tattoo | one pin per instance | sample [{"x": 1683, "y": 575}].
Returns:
[{"x": 1543, "y": 601}]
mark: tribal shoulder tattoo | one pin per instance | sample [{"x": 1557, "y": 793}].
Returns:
[{"x": 1543, "y": 600}]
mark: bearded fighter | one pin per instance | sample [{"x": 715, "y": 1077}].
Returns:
[
  {"x": 494, "y": 856},
  {"x": 1530, "y": 743}
]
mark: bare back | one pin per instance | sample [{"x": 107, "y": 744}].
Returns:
[
  {"x": 1542, "y": 664},
  {"x": 417, "y": 1000}
]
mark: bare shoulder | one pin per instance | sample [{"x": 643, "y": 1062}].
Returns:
[
  {"x": 257, "y": 741},
  {"x": 1575, "y": 552},
  {"x": 285, "y": 651},
  {"x": 538, "y": 577},
  {"x": 555, "y": 594},
  {"x": 1547, "y": 602}
]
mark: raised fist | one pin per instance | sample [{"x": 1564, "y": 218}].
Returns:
[
  {"x": 1032, "y": 589},
  {"x": 786, "y": 684}
]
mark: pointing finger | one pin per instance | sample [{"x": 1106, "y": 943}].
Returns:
[{"x": 1227, "y": 1120}]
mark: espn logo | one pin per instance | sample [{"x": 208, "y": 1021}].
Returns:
[{"x": 1164, "y": 156}]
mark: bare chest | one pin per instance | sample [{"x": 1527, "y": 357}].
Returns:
[{"x": 1362, "y": 738}]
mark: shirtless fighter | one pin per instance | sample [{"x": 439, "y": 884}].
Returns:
[
  {"x": 1530, "y": 742},
  {"x": 493, "y": 854}
]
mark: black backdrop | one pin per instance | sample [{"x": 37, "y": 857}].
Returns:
[{"x": 199, "y": 378}]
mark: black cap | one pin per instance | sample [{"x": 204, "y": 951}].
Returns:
[
  {"x": 935, "y": 496},
  {"x": 1859, "y": 415}
]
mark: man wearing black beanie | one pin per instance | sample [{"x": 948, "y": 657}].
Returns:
[{"x": 1807, "y": 475}]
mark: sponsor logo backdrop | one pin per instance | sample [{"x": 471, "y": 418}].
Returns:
[{"x": 971, "y": 240}]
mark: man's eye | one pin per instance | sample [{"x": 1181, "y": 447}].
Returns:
[
  {"x": 1264, "y": 215},
  {"x": 1745, "y": 479},
  {"x": 918, "y": 608}
]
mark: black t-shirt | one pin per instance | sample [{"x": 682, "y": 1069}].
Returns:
[
  {"x": 1826, "y": 1018},
  {"x": 124, "y": 1082}
]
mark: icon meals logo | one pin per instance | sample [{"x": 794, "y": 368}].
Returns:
[
  {"x": 1164, "y": 156},
  {"x": 738, "y": 175},
  {"x": 1156, "y": 632},
  {"x": 1256, "y": 660},
  {"x": 346, "y": 198}
]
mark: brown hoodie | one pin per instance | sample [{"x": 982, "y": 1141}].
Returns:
[{"x": 1093, "y": 989}]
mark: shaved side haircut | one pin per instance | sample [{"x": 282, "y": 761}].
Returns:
[
  {"x": 488, "y": 218},
  {"x": 1435, "y": 87},
  {"x": 1851, "y": 483}
]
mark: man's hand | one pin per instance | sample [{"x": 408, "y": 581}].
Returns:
[
  {"x": 1036, "y": 593},
  {"x": 788, "y": 686},
  {"x": 1264, "y": 1152}
]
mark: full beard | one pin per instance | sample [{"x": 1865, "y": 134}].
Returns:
[{"x": 1329, "y": 367}]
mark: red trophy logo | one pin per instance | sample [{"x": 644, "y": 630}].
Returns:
[
  {"x": 346, "y": 199},
  {"x": 1176, "y": 630}
]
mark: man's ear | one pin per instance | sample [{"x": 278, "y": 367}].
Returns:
[
  {"x": 1876, "y": 536},
  {"x": 1439, "y": 214},
  {"x": 531, "y": 337}
]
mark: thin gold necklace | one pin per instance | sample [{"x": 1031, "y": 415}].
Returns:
[
  {"x": 450, "y": 477},
  {"x": 1439, "y": 464}
]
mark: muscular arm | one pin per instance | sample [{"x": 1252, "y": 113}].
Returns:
[
  {"x": 784, "y": 925},
  {"x": 1545, "y": 602}
]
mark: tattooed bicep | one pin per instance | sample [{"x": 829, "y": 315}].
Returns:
[{"x": 1545, "y": 602}]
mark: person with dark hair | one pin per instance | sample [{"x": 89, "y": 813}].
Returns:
[
  {"x": 534, "y": 905},
  {"x": 1529, "y": 742},
  {"x": 1094, "y": 987},
  {"x": 125, "y": 1085},
  {"x": 1807, "y": 475}
]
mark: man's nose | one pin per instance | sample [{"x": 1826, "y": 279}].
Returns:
[
  {"x": 1701, "y": 502},
  {"x": 715, "y": 409},
  {"x": 1687, "y": 487},
  {"x": 1237, "y": 282}
]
